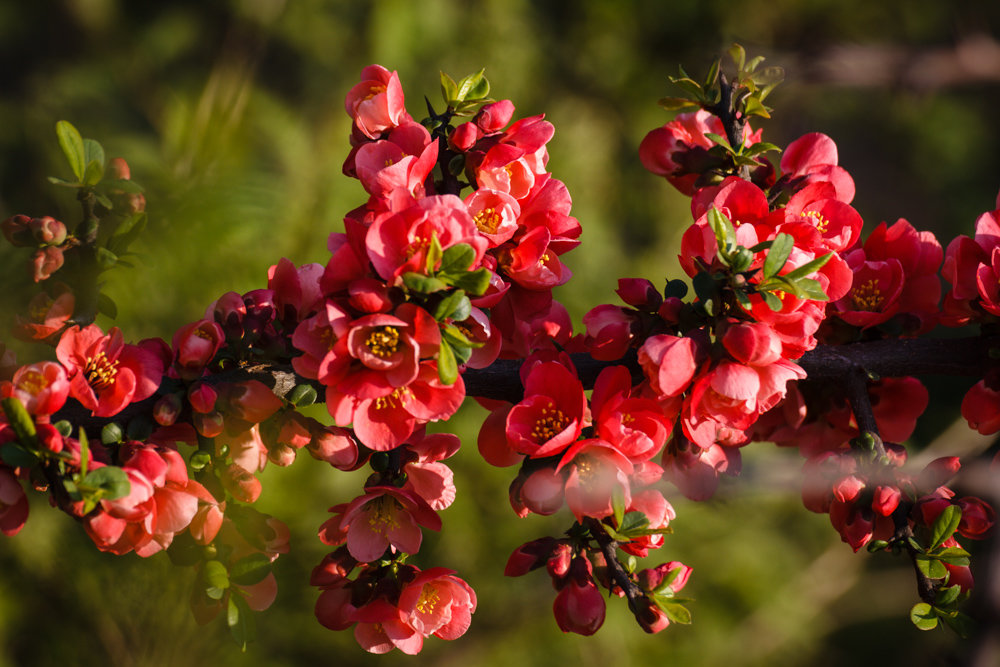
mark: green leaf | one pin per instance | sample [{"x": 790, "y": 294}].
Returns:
[
  {"x": 106, "y": 305},
  {"x": 760, "y": 147},
  {"x": 675, "y": 611},
  {"x": 455, "y": 306},
  {"x": 302, "y": 396},
  {"x": 705, "y": 287},
  {"x": 809, "y": 267},
  {"x": 810, "y": 288},
  {"x": 689, "y": 86},
  {"x": 923, "y": 616},
  {"x": 240, "y": 621},
  {"x": 111, "y": 480},
  {"x": 633, "y": 521},
  {"x": 676, "y": 103},
  {"x": 433, "y": 254},
  {"x": 418, "y": 282},
  {"x": 931, "y": 567},
  {"x": 111, "y": 434},
  {"x": 772, "y": 301},
  {"x": 250, "y": 570},
  {"x": 215, "y": 578},
  {"x": 777, "y": 255},
  {"x": 962, "y": 624},
  {"x": 17, "y": 456},
  {"x": 755, "y": 107},
  {"x": 84, "y": 453},
  {"x": 20, "y": 420},
  {"x": 474, "y": 87},
  {"x": 473, "y": 282},
  {"x": 449, "y": 89},
  {"x": 73, "y": 148},
  {"x": 713, "y": 74},
  {"x": 945, "y": 525},
  {"x": 199, "y": 460},
  {"x": 719, "y": 140},
  {"x": 59, "y": 181},
  {"x": 106, "y": 259},
  {"x": 722, "y": 227},
  {"x": 947, "y": 595},
  {"x": 739, "y": 56},
  {"x": 93, "y": 174},
  {"x": 457, "y": 258},
  {"x": 457, "y": 337},
  {"x": 618, "y": 506},
  {"x": 447, "y": 365},
  {"x": 953, "y": 556},
  {"x": 93, "y": 152}
]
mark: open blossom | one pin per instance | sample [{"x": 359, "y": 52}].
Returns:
[
  {"x": 42, "y": 388},
  {"x": 106, "y": 374},
  {"x": 376, "y": 103},
  {"x": 552, "y": 414},
  {"x": 383, "y": 517}
]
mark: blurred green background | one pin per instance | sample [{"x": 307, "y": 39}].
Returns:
[{"x": 231, "y": 115}]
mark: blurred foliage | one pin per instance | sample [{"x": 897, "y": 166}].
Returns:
[{"x": 231, "y": 115}]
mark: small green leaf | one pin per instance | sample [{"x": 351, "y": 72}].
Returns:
[
  {"x": 250, "y": 570},
  {"x": 111, "y": 434},
  {"x": 457, "y": 337},
  {"x": 455, "y": 306},
  {"x": 722, "y": 227},
  {"x": 739, "y": 56},
  {"x": 953, "y": 556},
  {"x": 474, "y": 87},
  {"x": 64, "y": 183},
  {"x": 199, "y": 460},
  {"x": 777, "y": 255},
  {"x": 93, "y": 174},
  {"x": 93, "y": 152},
  {"x": 112, "y": 481},
  {"x": 754, "y": 107},
  {"x": 215, "y": 578},
  {"x": 433, "y": 254},
  {"x": 772, "y": 301},
  {"x": 713, "y": 74},
  {"x": 618, "y": 506},
  {"x": 705, "y": 287},
  {"x": 931, "y": 567},
  {"x": 16, "y": 456},
  {"x": 240, "y": 621},
  {"x": 447, "y": 365},
  {"x": 106, "y": 259},
  {"x": 418, "y": 282},
  {"x": 809, "y": 267},
  {"x": 675, "y": 611},
  {"x": 457, "y": 258},
  {"x": 947, "y": 595},
  {"x": 633, "y": 521},
  {"x": 945, "y": 525},
  {"x": 449, "y": 89},
  {"x": 84, "y": 453},
  {"x": 302, "y": 396},
  {"x": 73, "y": 148},
  {"x": 106, "y": 305},
  {"x": 923, "y": 616},
  {"x": 962, "y": 624},
  {"x": 20, "y": 420},
  {"x": 676, "y": 103},
  {"x": 473, "y": 282}
]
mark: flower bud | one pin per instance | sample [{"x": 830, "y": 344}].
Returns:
[
  {"x": 167, "y": 409},
  {"x": 529, "y": 556},
  {"x": 463, "y": 137},
  {"x": 241, "y": 484},
  {"x": 333, "y": 569},
  {"x": 579, "y": 608},
  {"x": 208, "y": 425},
  {"x": 45, "y": 262},
  {"x": 494, "y": 117},
  {"x": 639, "y": 293},
  {"x": 15, "y": 230},
  {"x": 118, "y": 169},
  {"x": 47, "y": 230},
  {"x": 202, "y": 398},
  {"x": 977, "y": 517},
  {"x": 336, "y": 446}
]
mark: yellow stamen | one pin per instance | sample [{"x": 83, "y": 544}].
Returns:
[
  {"x": 867, "y": 296},
  {"x": 383, "y": 341}
]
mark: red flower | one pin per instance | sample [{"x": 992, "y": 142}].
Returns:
[
  {"x": 376, "y": 103},
  {"x": 106, "y": 374},
  {"x": 552, "y": 414}
]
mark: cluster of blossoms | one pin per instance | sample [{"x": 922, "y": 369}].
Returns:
[{"x": 158, "y": 446}]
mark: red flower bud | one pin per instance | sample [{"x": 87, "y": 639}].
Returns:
[
  {"x": 167, "y": 409},
  {"x": 243, "y": 485},
  {"x": 47, "y": 230},
  {"x": 45, "y": 262},
  {"x": 579, "y": 608},
  {"x": 494, "y": 117},
  {"x": 529, "y": 556},
  {"x": 977, "y": 517},
  {"x": 202, "y": 398},
  {"x": 15, "y": 230},
  {"x": 463, "y": 137}
]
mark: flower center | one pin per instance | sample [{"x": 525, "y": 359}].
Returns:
[
  {"x": 380, "y": 515},
  {"x": 428, "y": 599},
  {"x": 398, "y": 397},
  {"x": 100, "y": 371},
  {"x": 867, "y": 296},
  {"x": 817, "y": 219},
  {"x": 33, "y": 382},
  {"x": 383, "y": 341},
  {"x": 374, "y": 90},
  {"x": 487, "y": 221},
  {"x": 551, "y": 422},
  {"x": 39, "y": 310}
]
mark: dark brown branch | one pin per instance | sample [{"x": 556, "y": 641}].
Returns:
[{"x": 618, "y": 574}]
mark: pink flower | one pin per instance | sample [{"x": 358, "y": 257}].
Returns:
[
  {"x": 384, "y": 517},
  {"x": 376, "y": 103},
  {"x": 552, "y": 414},
  {"x": 195, "y": 345},
  {"x": 106, "y": 374},
  {"x": 437, "y": 603},
  {"x": 42, "y": 388}
]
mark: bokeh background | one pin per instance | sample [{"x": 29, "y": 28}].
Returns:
[{"x": 231, "y": 115}]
